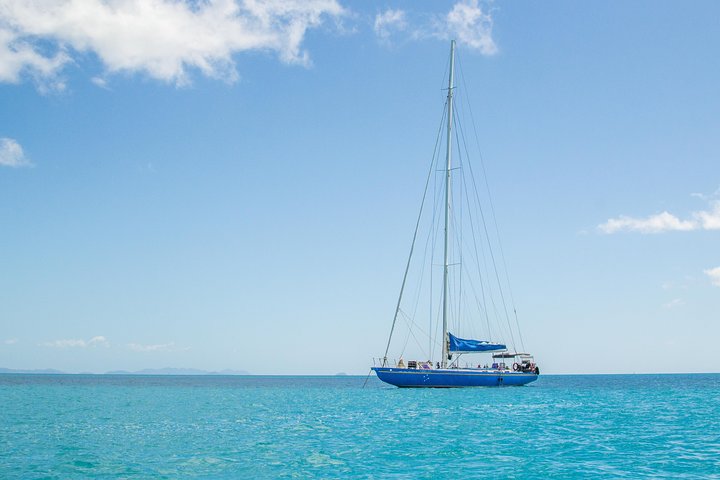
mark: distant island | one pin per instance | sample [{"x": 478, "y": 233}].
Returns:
[
  {"x": 45, "y": 371},
  {"x": 178, "y": 371},
  {"x": 146, "y": 371}
]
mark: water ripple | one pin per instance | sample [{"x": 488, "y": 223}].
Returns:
[{"x": 633, "y": 426}]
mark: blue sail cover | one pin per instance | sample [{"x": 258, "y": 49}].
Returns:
[{"x": 462, "y": 345}]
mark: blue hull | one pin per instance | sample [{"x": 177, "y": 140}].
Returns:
[{"x": 452, "y": 378}]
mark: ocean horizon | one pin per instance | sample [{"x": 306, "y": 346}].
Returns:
[
  {"x": 174, "y": 371},
  {"x": 329, "y": 426}
]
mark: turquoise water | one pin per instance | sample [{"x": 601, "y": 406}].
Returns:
[{"x": 604, "y": 426}]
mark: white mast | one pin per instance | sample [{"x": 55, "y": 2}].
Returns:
[{"x": 447, "y": 204}]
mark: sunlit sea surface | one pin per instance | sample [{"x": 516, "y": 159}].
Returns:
[{"x": 599, "y": 426}]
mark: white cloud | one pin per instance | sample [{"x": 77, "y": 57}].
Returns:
[
  {"x": 18, "y": 54},
  {"x": 714, "y": 274},
  {"x": 470, "y": 26},
  {"x": 99, "y": 340},
  {"x": 11, "y": 154},
  {"x": 100, "y": 82},
  {"x": 708, "y": 219},
  {"x": 11, "y": 341},
  {"x": 662, "y": 222},
  {"x": 162, "y": 347},
  {"x": 65, "y": 343},
  {"x": 77, "y": 343},
  {"x": 164, "y": 39},
  {"x": 388, "y": 21},
  {"x": 676, "y": 302},
  {"x": 467, "y": 22}
]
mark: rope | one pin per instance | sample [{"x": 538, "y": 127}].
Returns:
[
  {"x": 367, "y": 378},
  {"x": 487, "y": 236},
  {"x": 492, "y": 207}
]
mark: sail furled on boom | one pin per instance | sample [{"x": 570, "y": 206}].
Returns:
[{"x": 465, "y": 345}]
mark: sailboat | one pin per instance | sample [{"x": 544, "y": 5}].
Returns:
[{"x": 507, "y": 366}]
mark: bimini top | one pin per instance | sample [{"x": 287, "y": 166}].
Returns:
[
  {"x": 461, "y": 345},
  {"x": 511, "y": 355}
]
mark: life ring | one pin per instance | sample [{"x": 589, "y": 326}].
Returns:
[{"x": 516, "y": 366}]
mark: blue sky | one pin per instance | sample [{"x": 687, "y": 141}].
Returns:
[{"x": 234, "y": 184}]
